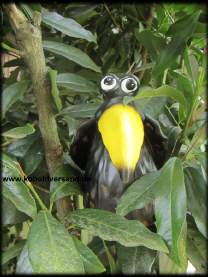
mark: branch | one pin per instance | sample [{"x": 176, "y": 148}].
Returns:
[
  {"x": 112, "y": 17},
  {"x": 29, "y": 40}
]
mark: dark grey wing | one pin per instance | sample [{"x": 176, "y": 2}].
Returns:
[
  {"x": 80, "y": 148},
  {"x": 155, "y": 140},
  {"x": 105, "y": 186},
  {"x": 154, "y": 149}
]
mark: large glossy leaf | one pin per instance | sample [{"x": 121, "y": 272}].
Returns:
[
  {"x": 67, "y": 26},
  {"x": 76, "y": 83},
  {"x": 184, "y": 28},
  {"x": 23, "y": 264},
  {"x": 15, "y": 190},
  {"x": 170, "y": 209},
  {"x": 90, "y": 261},
  {"x": 20, "y": 147},
  {"x": 153, "y": 43},
  {"x": 196, "y": 191},
  {"x": 196, "y": 247},
  {"x": 184, "y": 84},
  {"x": 138, "y": 194},
  {"x": 65, "y": 182},
  {"x": 167, "y": 265},
  {"x": 133, "y": 260},
  {"x": 10, "y": 214},
  {"x": 81, "y": 110},
  {"x": 30, "y": 150},
  {"x": 165, "y": 90},
  {"x": 113, "y": 227},
  {"x": 33, "y": 157},
  {"x": 20, "y": 132},
  {"x": 51, "y": 248},
  {"x": 12, "y": 251},
  {"x": 13, "y": 93},
  {"x": 192, "y": 66},
  {"x": 71, "y": 53},
  {"x": 151, "y": 106}
]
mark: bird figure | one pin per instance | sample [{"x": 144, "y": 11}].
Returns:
[{"x": 117, "y": 146}]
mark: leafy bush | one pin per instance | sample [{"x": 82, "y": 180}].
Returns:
[{"x": 164, "y": 46}]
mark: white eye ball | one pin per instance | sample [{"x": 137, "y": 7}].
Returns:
[
  {"x": 129, "y": 85},
  {"x": 108, "y": 83}
]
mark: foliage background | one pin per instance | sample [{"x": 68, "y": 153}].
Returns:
[{"x": 164, "y": 45}]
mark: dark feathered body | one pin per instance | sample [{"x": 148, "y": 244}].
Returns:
[{"x": 105, "y": 182}]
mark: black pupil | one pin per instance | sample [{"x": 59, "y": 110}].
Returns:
[
  {"x": 108, "y": 81},
  {"x": 130, "y": 84}
]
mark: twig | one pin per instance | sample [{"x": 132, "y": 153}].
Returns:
[
  {"x": 130, "y": 68},
  {"x": 112, "y": 17}
]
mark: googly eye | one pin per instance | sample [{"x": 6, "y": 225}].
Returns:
[
  {"x": 108, "y": 83},
  {"x": 129, "y": 85}
]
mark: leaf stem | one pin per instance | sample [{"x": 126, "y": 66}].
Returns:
[
  {"x": 112, "y": 17},
  {"x": 110, "y": 258},
  {"x": 30, "y": 186},
  {"x": 84, "y": 233}
]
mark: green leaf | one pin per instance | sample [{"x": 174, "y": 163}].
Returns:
[
  {"x": 27, "y": 10},
  {"x": 23, "y": 263},
  {"x": 12, "y": 251},
  {"x": 13, "y": 93},
  {"x": 183, "y": 29},
  {"x": 133, "y": 260},
  {"x": 138, "y": 194},
  {"x": 81, "y": 110},
  {"x": 170, "y": 209},
  {"x": 111, "y": 260},
  {"x": 196, "y": 192},
  {"x": 67, "y": 26},
  {"x": 153, "y": 43},
  {"x": 92, "y": 264},
  {"x": 10, "y": 215},
  {"x": 113, "y": 227},
  {"x": 20, "y": 147},
  {"x": 184, "y": 84},
  {"x": 196, "y": 247},
  {"x": 54, "y": 89},
  {"x": 151, "y": 106},
  {"x": 30, "y": 150},
  {"x": 200, "y": 30},
  {"x": 71, "y": 53},
  {"x": 167, "y": 266},
  {"x": 20, "y": 132},
  {"x": 72, "y": 123},
  {"x": 192, "y": 66},
  {"x": 162, "y": 91},
  {"x": 65, "y": 183},
  {"x": 51, "y": 248},
  {"x": 33, "y": 157},
  {"x": 76, "y": 83},
  {"x": 15, "y": 190}
]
